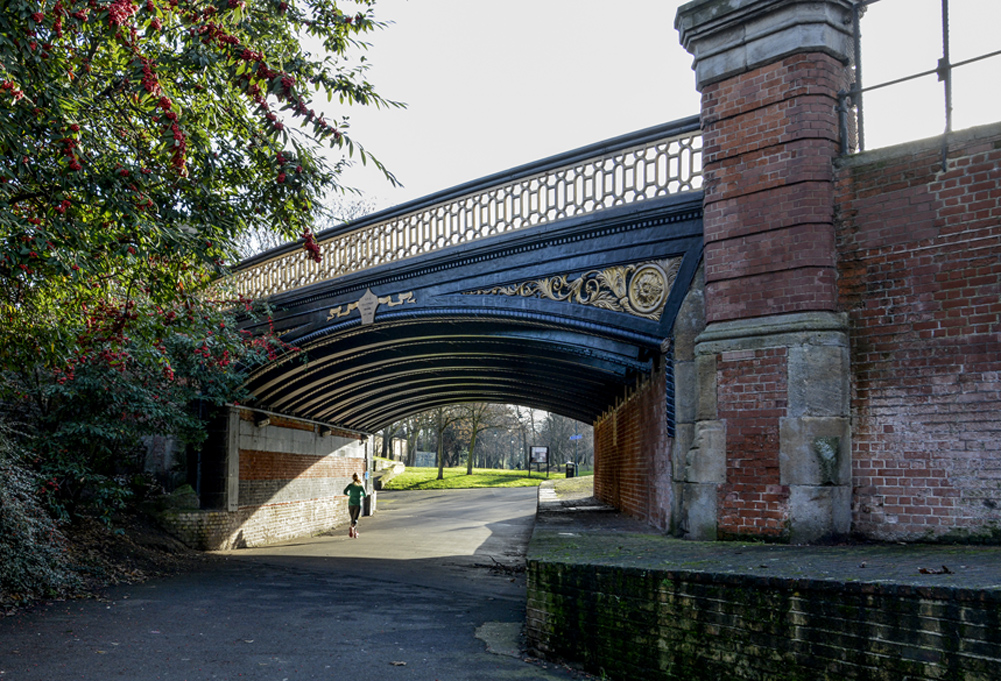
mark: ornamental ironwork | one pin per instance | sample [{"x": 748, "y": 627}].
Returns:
[
  {"x": 618, "y": 173},
  {"x": 639, "y": 289}
]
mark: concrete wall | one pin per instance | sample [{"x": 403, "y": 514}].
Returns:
[
  {"x": 630, "y": 623},
  {"x": 284, "y": 480}
]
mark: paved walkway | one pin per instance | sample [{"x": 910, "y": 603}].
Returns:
[
  {"x": 572, "y": 526},
  {"x": 427, "y": 592}
]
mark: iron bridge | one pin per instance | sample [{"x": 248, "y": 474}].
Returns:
[{"x": 553, "y": 285}]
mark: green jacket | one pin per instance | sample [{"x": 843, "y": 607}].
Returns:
[{"x": 355, "y": 492}]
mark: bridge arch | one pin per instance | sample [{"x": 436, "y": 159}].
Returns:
[
  {"x": 554, "y": 285},
  {"x": 562, "y": 318}
]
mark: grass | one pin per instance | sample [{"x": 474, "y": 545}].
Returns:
[{"x": 456, "y": 478}]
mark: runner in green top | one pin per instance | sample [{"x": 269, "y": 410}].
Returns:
[{"x": 355, "y": 491}]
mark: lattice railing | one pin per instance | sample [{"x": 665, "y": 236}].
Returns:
[{"x": 614, "y": 177}]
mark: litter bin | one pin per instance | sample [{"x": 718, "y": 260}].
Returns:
[
  {"x": 571, "y": 469},
  {"x": 368, "y": 504}
]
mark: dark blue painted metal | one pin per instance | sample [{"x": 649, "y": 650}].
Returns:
[{"x": 451, "y": 346}]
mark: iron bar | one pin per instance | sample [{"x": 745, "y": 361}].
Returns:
[
  {"x": 943, "y": 70},
  {"x": 857, "y": 87},
  {"x": 945, "y": 74}
]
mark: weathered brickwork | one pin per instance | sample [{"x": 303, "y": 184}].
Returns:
[
  {"x": 633, "y": 470},
  {"x": 257, "y": 525},
  {"x": 920, "y": 278},
  {"x": 770, "y": 137},
  {"x": 629, "y": 623},
  {"x": 751, "y": 398},
  {"x": 288, "y": 479}
]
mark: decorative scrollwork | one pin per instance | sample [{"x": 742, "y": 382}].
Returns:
[
  {"x": 639, "y": 289},
  {"x": 367, "y": 304}
]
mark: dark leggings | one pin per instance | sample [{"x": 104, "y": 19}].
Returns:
[{"x": 354, "y": 511}]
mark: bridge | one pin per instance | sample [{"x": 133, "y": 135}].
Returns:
[
  {"x": 775, "y": 339},
  {"x": 553, "y": 285}
]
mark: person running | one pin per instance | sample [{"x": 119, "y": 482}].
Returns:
[{"x": 354, "y": 491}]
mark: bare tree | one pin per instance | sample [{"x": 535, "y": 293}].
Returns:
[
  {"x": 480, "y": 417},
  {"x": 260, "y": 239},
  {"x": 443, "y": 418}
]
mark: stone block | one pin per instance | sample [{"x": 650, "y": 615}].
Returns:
[
  {"x": 705, "y": 460},
  {"x": 684, "y": 436},
  {"x": 685, "y": 392},
  {"x": 698, "y": 511},
  {"x": 818, "y": 381},
  {"x": 815, "y": 451},
  {"x": 729, "y": 37},
  {"x": 818, "y": 513},
  {"x": 705, "y": 399},
  {"x": 691, "y": 319}
]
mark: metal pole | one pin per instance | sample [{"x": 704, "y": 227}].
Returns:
[
  {"x": 575, "y": 441},
  {"x": 857, "y": 89},
  {"x": 945, "y": 75}
]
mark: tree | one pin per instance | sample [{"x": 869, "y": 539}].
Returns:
[
  {"x": 478, "y": 418},
  {"x": 138, "y": 141},
  {"x": 260, "y": 238},
  {"x": 443, "y": 418},
  {"x": 556, "y": 432}
]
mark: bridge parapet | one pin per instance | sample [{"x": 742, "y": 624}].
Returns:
[{"x": 648, "y": 164}]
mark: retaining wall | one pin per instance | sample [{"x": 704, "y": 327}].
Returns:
[
  {"x": 284, "y": 480},
  {"x": 630, "y": 623},
  {"x": 920, "y": 279}
]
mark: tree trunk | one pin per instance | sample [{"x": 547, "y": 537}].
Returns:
[
  {"x": 441, "y": 443},
  {"x": 472, "y": 446}
]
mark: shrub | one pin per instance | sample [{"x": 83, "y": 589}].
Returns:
[{"x": 33, "y": 558}]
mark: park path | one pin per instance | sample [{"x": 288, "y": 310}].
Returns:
[{"x": 428, "y": 591}]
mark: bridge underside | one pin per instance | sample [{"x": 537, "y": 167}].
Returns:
[{"x": 562, "y": 317}]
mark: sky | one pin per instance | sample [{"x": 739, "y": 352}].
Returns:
[{"x": 491, "y": 85}]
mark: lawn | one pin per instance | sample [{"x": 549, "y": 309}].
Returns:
[{"x": 456, "y": 478}]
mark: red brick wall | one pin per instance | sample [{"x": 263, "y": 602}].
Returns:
[
  {"x": 632, "y": 453},
  {"x": 255, "y": 465},
  {"x": 920, "y": 277},
  {"x": 751, "y": 398},
  {"x": 769, "y": 138}
]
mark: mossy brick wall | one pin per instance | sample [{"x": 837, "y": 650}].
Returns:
[
  {"x": 920, "y": 279},
  {"x": 632, "y": 462},
  {"x": 632, "y": 624}
]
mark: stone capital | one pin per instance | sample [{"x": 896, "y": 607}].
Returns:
[{"x": 730, "y": 37}]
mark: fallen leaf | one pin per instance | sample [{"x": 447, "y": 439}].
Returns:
[{"x": 398, "y": 664}]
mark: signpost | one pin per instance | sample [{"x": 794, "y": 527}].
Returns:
[{"x": 539, "y": 455}]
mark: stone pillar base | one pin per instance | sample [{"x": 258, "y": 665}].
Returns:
[{"x": 769, "y": 456}]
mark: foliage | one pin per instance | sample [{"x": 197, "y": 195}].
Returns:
[
  {"x": 138, "y": 141},
  {"x": 457, "y": 478},
  {"x": 33, "y": 560}
]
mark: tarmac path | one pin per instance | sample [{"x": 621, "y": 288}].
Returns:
[{"x": 433, "y": 588}]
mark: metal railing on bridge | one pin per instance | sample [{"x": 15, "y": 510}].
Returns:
[{"x": 640, "y": 166}]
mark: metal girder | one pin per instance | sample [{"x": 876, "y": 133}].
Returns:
[{"x": 557, "y": 317}]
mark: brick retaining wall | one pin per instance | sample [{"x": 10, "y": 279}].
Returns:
[
  {"x": 920, "y": 279},
  {"x": 630, "y": 623},
  {"x": 286, "y": 481}
]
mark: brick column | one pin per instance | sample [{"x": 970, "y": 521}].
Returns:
[{"x": 770, "y": 456}]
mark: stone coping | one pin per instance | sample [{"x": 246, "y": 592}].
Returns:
[{"x": 572, "y": 527}]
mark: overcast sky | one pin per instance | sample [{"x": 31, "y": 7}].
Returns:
[{"x": 491, "y": 85}]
